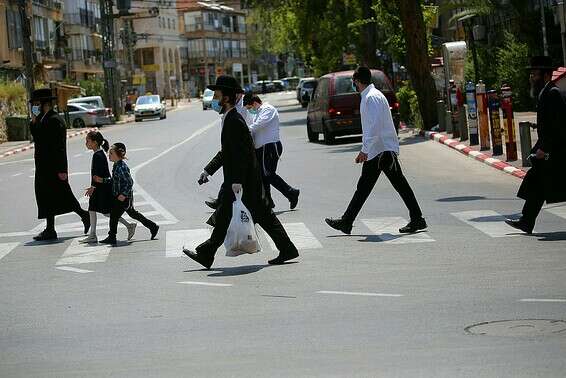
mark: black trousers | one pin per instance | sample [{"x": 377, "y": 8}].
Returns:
[
  {"x": 265, "y": 217},
  {"x": 268, "y": 157},
  {"x": 531, "y": 209},
  {"x": 127, "y": 206},
  {"x": 387, "y": 163},
  {"x": 78, "y": 210}
]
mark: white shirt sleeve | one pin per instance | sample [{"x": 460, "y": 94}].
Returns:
[
  {"x": 263, "y": 119},
  {"x": 370, "y": 120},
  {"x": 240, "y": 108}
]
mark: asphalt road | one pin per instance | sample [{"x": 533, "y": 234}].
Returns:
[{"x": 372, "y": 304}]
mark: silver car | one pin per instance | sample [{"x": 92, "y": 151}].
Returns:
[
  {"x": 207, "y": 99},
  {"x": 82, "y": 115},
  {"x": 149, "y": 106}
]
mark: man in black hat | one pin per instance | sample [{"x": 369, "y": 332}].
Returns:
[
  {"x": 52, "y": 190},
  {"x": 545, "y": 181},
  {"x": 241, "y": 173}
]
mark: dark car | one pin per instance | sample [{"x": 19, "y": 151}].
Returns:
[{"x": 334, "y": 109}]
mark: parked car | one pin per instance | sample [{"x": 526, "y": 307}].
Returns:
[
  {"x": 82, "y": 115},
  {"x": 335, "y": 107},
  {"x": 106, "y": 116},
  {"x": 207, "y": 99},
  {"x": 305, "y": 91},
  {"x": 149, "y": 106},
  {"x": 290, "y": 83},
  {"x": 278, "y": 86},
  {"x": 264, "y": 86}
]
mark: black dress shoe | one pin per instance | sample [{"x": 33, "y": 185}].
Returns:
[
  {"x": 414, "y": 226},
  {"x": 283, "y": 257},
  {"x": 109, "y": 240},
  {"x": 154, "y": 231},
  {"x": 201, "y": 259},
  {"x": 45, "y": 236},
  {"x": 86, "y": 222},
  {"x": 340, "y": 225},
  {"x": 294, "y": 198},
  {"x": 520, "y": 224},
  {"x": 213, "y": 204}
]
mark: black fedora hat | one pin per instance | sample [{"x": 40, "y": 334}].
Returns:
[
  {"x": 226, "y": 82},
  {"x": 43, "y": 94},
  {"x": 541, "y": 63}
]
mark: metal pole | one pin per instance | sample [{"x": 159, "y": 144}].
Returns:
[
  {"x": 526, "y": 144},
  {"x": 543, "y": 22},
  {"x": 27, "y": 46}
]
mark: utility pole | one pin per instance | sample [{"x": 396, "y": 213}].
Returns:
[
  {"x": 111, "y": 74},
  {"x": 27, "y": 46},
  {"x": 543, "y": 22}
]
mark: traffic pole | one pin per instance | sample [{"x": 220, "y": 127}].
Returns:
[
  {"x": 483, "y": 118},
  {"x": 454, "y": 109},
  {"x": 493, "y": 103},
  {"x": 472, "y": 113},
  {"x": 508, "y": 123}
]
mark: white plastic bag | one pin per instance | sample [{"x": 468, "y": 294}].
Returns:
[{"x": 241, "y": 237}]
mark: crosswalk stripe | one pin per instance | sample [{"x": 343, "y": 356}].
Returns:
[
  {"x": 558, "y": 211},
  {"x": 78, "y": 253},
  {"x": 489, "y": 222},
  {"x": 190, "y": 239},
  {"x": 6, "y": 248},
  {"x": 300, "y": 235},
  {"x": 387, "y": 230},
  {"x": 71, "y": 269}
]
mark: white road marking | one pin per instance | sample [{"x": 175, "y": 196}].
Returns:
[
  {"x": 75, "y": 270},
  {"x": 549, "y": 300},
  {"x": 205, "y": 283},
  {"x": 190, "y": 239},
  {"x": 358, "y": 293},
  {"x": 16, "y": 162},
  {"x": 6, "y": 248},
  {"x": 139, "y": 149},
  {"x": 559, "y": 211},
  {"x": 387, "y": 230},
  {"x": 79, "y": 174},
  {"x": 489, "y": 222},
  {"x": 300, "y": 235},
  {"x": 78, "y": 253},
  {"x": 17, "y": 174}
]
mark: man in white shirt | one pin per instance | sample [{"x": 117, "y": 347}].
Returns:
[
  {"x": 264, "y": 127},
  {"x": 380, "y": 148}
]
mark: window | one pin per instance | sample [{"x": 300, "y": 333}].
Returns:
[
  {"x": 243, "y": 49},
  {"x": 213, "y": 47},
  {"x": 193, "y": 21},
  {"x": 211, "y": 21},
  {"x": 39, "y": 32},
  {"x": 227, "y": 48},
  {"x": 235, "y": 49},
  {"x": 343, "y": 84},
  {"x": 196, "y": 48},
  {"x": 168, "y": 23},
  {"x": 226, "y": 24},
  {"x": 14, "y": 28},
  {"x": 241, "y": 24}
]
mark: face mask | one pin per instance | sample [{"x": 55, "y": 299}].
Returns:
[
  {"x": 253, "y": 111},
  {"x": 216, "y": 105},
  {"x": 36, "y": 110},
  {"x": 354, "y": 87}
]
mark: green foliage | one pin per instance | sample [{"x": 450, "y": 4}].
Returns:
[
  {"x": 512, "y": 58},
  {"x": 92, "y": 87},
  {"x": 409, "y": 111},
  {"x": 12, "y": 102}
]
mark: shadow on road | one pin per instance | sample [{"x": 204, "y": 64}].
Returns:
[
  {"x": 551, "y": 236},
  {"x": 472, "y": 198},
  {"x": 237, "y": 271},
  {"x": 295, "y": 122},
  {"x": 34, "y": 243}
]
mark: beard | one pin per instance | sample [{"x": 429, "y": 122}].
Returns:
[{"x": 536, "y": 88}]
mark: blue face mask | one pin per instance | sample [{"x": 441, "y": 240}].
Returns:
[
  {"x": 216, "y": 105},
  {"x": 36, "y": 110},
  {"x": 354, "y": 87},
  {"x": 252, "y": 111}
]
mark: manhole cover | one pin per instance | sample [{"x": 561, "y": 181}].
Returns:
[{"x": 521, "y": 327}]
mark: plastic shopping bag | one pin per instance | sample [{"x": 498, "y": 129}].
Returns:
[{"x": 241, "y": 237}]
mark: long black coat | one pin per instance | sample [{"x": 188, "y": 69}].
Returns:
[
  {"x": 101, "y": 199},
  {"x": 238, "y": 160},
  {"x": 547, "y": 179},
  {"x": 53, "y": 195}
]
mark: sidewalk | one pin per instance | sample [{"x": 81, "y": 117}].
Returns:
[{"x": 514, "y": 168}]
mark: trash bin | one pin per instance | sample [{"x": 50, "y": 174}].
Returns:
[{"x": 17, "y": 128}]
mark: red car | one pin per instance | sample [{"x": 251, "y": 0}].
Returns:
[{"x": 334, "y": 109}]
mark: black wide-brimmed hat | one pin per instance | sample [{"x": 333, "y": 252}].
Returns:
[
  {"x": 226, "y": 82},
  {"x": 541, "y": 63},
  {"x": 43, "y": 94}
]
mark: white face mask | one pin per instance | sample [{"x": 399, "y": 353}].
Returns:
[{"x": 36, "y": 110}]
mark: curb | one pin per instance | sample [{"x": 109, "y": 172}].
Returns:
[
  {"x": 468, "y": 151},
  {"x": 31, "y": 145}
]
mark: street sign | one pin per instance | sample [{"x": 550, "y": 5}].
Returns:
[{"x": 237, "y": 67}]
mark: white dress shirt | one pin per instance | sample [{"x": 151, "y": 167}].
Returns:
[
  {"x": 265, "y": 125},
  {"x": 377, "y": 124},
  {"x": 248, "y": 117}
]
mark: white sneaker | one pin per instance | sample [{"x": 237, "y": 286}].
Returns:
[
  {"x": 91, "y": 239},
  {"x": 131, "y": 230}
]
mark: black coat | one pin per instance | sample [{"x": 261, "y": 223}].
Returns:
[
  {"x": 547, "y": 179},
  {"x": 238, "y": 160},
  {"x": 101, "y": 199},
  {"x": 53, "y": 195}
]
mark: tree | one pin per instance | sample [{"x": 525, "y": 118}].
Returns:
[{"x": 418, "y": 65}]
